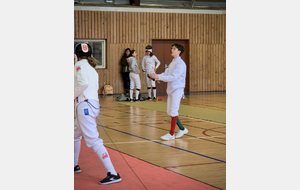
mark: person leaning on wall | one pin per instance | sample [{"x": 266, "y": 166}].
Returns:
[{"x": 125, "y": 70}]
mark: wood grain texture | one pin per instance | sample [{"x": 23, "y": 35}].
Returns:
[{"x": 206, "y": 34}]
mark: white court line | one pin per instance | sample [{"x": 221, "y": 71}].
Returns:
[
  {"x": 128, "y": 142},
  {"x": 123, "y": 117},
  {"x": 182, "y": 116},
  {"x": 205, "y": 120},
  {"x": 202, "y": 137},
  {"x": 162, "y": 140}
]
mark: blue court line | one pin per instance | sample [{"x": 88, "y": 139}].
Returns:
[{"x": 163, "y": 144}]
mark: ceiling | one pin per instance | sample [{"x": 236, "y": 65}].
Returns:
[{"x": 186, "y": 4}]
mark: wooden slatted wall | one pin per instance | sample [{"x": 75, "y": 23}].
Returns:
[{"x": 206, "y": 34}]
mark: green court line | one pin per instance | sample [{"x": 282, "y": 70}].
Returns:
[{"x": 184, "y": 110}]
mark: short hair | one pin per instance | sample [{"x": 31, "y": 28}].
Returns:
[
  {"x": 179, "y": 47},
  {"x": 132, "y": 52}
]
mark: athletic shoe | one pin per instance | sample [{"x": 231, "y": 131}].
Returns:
[
  {"x": 138, "y": 101},
  {"x": 148, "y": 98},
  {"x": 168, "y": 137},
  {"x": 154, "y": 99},
  {"x": 131, "y": 100},
  {"x": 77, "y": 169},
  {"x": 181, "y": 133},
  {"x": 110, "y": 178}
]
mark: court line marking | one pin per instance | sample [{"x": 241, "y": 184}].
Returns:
[
  {"x": 204, "y": 128},
  {"x": 205, "y": 120},
  {"x": 147, "y": 124},
  {"x": 193, "y": 138},
  {"x": 204, "y": 132},
  {"x": 164, "y": 144},
  {"x": 163, "y": 116},
  {"x": 168, "y": 130},
  {"x": 192, "y": 165}
]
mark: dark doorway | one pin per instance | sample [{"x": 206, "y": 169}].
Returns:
[{"x": 161, "y": 49}]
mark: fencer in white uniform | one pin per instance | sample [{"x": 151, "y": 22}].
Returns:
[
  {"x": 134, "y": 76},
  {"x": 148, "y": 66},
  {"x": 87, "y": 109},
  {"x": 175, "y": 76}
]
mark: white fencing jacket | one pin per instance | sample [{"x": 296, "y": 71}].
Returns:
[
  {"x": 175, "y": 75},
  {"x": 86, "y": 81},
  {"x": 150, "y": 63}
]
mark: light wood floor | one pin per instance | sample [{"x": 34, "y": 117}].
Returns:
[{"x": 200, "y": 155}]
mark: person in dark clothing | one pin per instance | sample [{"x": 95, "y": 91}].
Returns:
[{"x": 125, "y": 70}]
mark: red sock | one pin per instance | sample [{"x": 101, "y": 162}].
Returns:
[{"x": 173, "y": 125}]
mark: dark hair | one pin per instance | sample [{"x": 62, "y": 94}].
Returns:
[
  {"x": 125, "y": 55},
  {"x": 151, "y": 54},
  {"x": 92, "y": 61},
  {"x": 131, "y": 52},
  {"x": 79, "y": 52},
  {"x": 148, "y": 47},
  {"x": 179, "y": 47}
]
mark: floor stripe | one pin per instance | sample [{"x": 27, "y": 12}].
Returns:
[
  {"x": 185, "y": 110},
  {"x": 193, "y": 138},
  {"x": 164, "y": 116},
  {"x": 204, "y": 132},
  {"x": 192, "y": 165},
  {"x": 185, "y": 135},
  {"x": 163, "y": 144},
  {"x": 200, "y": 127},
  {"x": 206, "y": 121}
]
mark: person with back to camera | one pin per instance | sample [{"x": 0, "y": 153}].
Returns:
[
  {"x": 125, "y": 70},
  {"x": 134, "y": 76},
  {"x": 150, "y": 60},
  {"x": 87, "y": 109},
  {"x": 175, "y": 76}
]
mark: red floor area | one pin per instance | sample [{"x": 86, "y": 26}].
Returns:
[{"x": 153, "y": 177}]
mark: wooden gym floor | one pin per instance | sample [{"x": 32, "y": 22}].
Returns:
[{"x": 199, "y": 155}]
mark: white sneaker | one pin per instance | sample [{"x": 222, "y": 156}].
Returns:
[
  {"x": 168, "y": 137},
  {"x": 181, "y": 133}
]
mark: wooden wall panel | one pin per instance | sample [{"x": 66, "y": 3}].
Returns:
[
  {"x": 168, "y": 23},
  {"x": 213, "y": 65},
  {"x": 217, "y": 29},
  {"x": 100, "y": 26},
  {"x": 196, "y": 68},
  {"x": 206, "y": 34},
  {"x": 82, "y": 27},
  {"x": 200, "y": 65},
  {"x": 216, "y": 73},
  {"x": 96, "y": 24},
  {"x": 78, "y": 21},
  {"x": 114, "y": 28},
  {"x": 76, "y": 24},
  {"x": 198, "y": 28},
  {"x": 92, "y": 17},
  {"x": 153, "y": 25},
  {"x": 192, "y": 72},
  {"x": 208, "y": 67}
]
